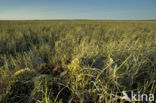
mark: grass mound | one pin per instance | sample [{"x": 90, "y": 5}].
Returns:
[
  {"x": 48, "y": 89},
  {"x": 20, "y": 86}
]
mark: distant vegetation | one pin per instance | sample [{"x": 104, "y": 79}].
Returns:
[{"x": 76, "y": 61}]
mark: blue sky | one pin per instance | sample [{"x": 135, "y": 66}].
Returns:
[{"x": 77, "y": 9}]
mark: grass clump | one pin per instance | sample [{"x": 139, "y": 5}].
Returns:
[
  {"x": 48, "y": 89},
  {"x": 20, "y": 86}
]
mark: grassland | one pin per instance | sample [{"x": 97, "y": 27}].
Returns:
[{"x": 76, "y": 61}]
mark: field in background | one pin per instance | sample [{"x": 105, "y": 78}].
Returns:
[{"x": 76, "y": 61}]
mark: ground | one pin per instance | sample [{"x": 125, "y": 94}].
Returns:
[{"x": 76, "y": 61}]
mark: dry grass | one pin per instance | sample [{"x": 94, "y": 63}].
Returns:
[{"x": 76, "y": 61}]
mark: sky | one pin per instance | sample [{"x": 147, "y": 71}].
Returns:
[{"x": 77, "y": 9}]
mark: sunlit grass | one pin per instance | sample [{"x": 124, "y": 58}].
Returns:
[{"x": 76, "y": 61}]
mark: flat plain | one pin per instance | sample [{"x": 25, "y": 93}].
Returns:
[{"x": 76, "y": 61}]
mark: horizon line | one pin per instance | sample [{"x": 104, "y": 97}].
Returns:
[{"x": 78, "y": 19}]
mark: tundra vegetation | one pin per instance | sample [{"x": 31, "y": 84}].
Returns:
[{"x": 76, "y": 61}]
